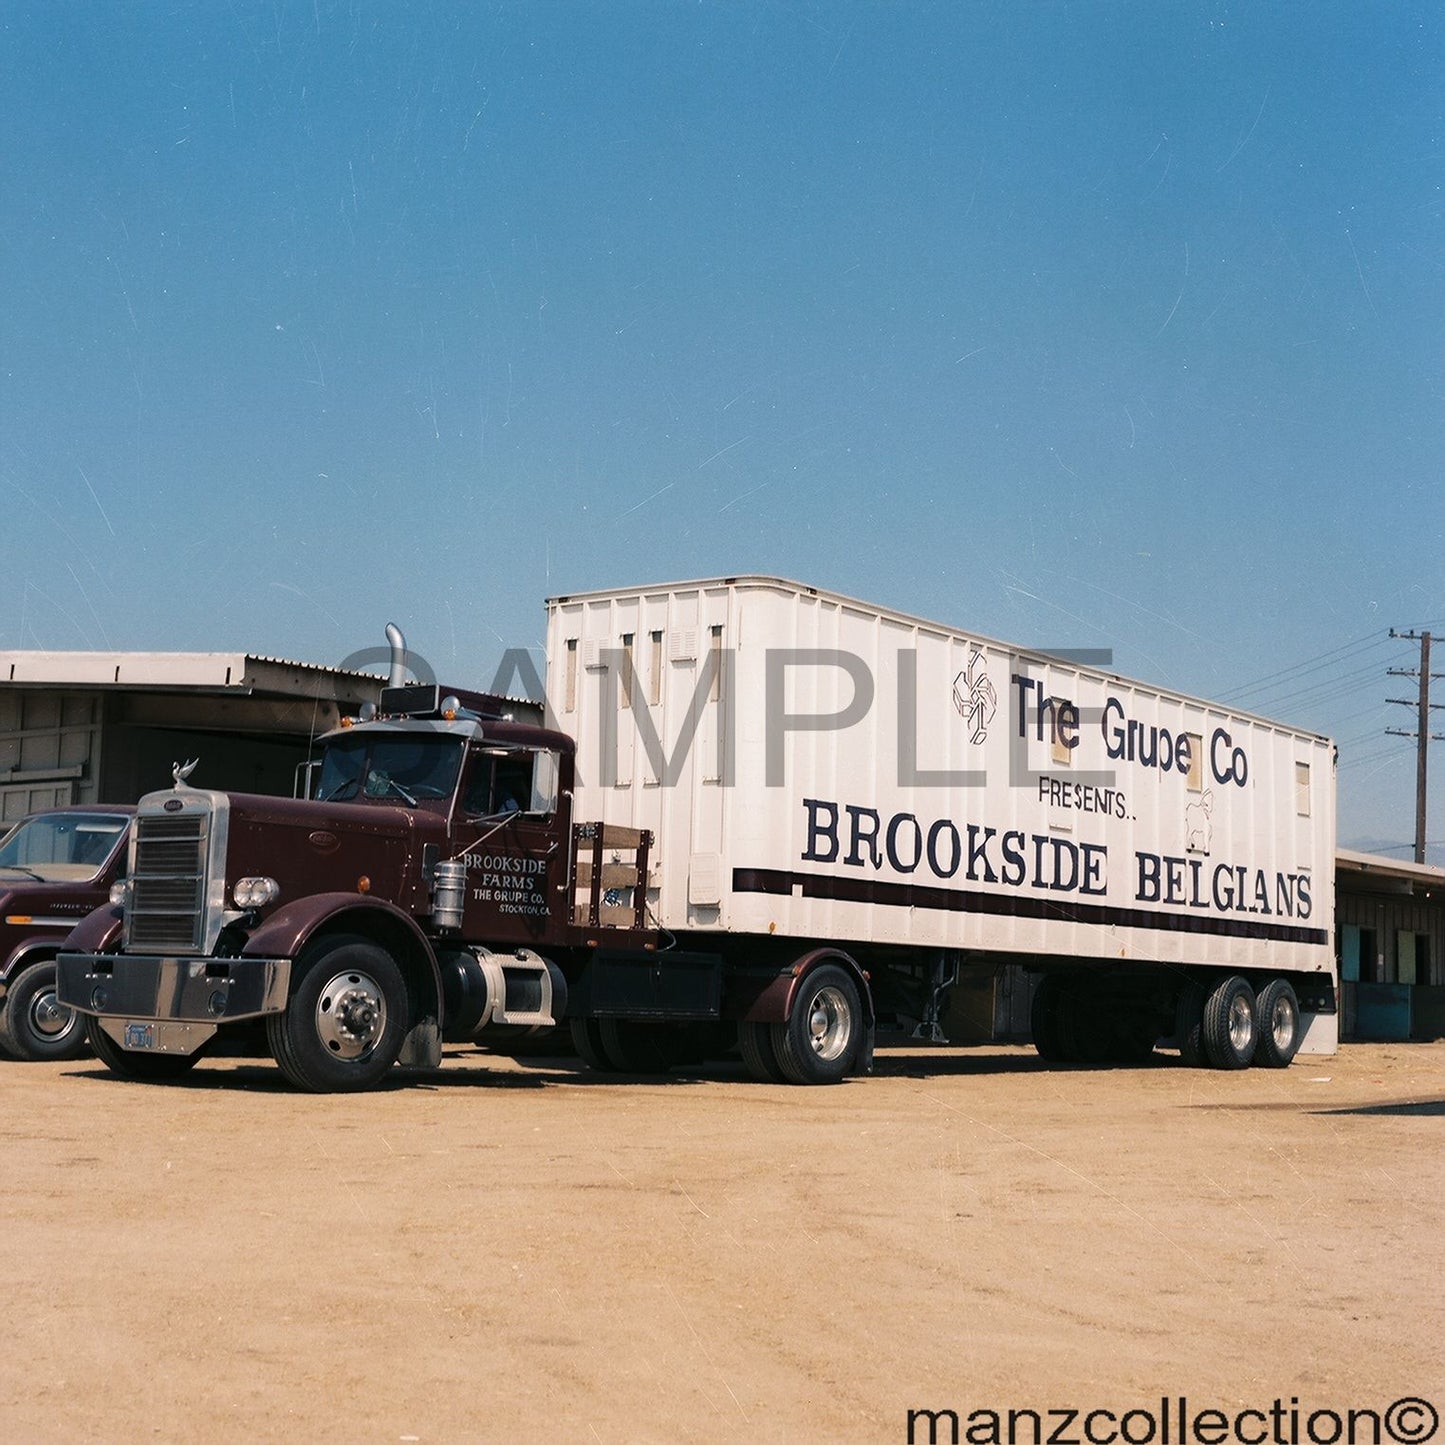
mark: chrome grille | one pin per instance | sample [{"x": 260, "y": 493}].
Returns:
[{"x": 168, "y": 883}]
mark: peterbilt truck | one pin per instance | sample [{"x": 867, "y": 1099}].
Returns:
[
  {"x": 56, "y": 865},
  {"x": 762, "y": 817}
]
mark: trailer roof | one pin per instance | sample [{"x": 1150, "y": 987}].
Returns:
[{"x": 841, "y": 599}]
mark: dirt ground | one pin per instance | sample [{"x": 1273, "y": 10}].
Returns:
[{"x": 518, "y": 1250}]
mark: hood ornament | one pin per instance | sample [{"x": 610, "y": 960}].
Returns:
[{"x": 181, "y": 771}]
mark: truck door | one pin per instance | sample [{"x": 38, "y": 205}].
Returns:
[{"x": 508, "y": 831}]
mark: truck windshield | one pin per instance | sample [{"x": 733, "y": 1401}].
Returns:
[
  {"x": 398, "y": 767},
  {"x": 61, "y": 847}
]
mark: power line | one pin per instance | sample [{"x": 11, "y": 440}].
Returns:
[{"x": 1310, "y": 664}]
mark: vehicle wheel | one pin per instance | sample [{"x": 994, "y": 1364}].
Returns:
[
  {"x": 1044, "y": 1018},
  {"x": 1132, "y": 1039},
  {"x": 140, "y": 1068},
  {"x": 758, "y": 1045},
  {"x": 1189, "y": 1025},
  {"x": 344, "y": 1025},
  {"x": 638, "y": 1048},
  {"x": 34, "y": 1024},
  {"x": 1083, "y": 1024},
  {"x": 819, "y": 1042},
  {"x": 1279, "y": 1025},
  {"x": 1230, "y": 1024},
  {"x": 587, "y": 1039}
]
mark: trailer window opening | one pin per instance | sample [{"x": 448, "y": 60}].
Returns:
[
  {"x": 1196, "y": 762},
  {"x": 1302, "y": 789},
  {"x": 627, "y": 670},
  {"x": 390, "y": 767}
]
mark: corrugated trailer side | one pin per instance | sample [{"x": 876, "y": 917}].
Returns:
[{"x": 817, "y": 769}]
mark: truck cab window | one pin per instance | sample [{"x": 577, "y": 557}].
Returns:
[
  {"x": 499, "y": 785},
  {"x": 410, "y": 768}
]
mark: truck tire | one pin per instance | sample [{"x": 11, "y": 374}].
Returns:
[
  {"x": 639, "y": 1048},
  {"x": 587, "y": 1040},
  {"x": 820, "y": 1040},
  {"x": 1044, "y": 1015},
  {"x": 34, "y": 1024},
  {"x": 758, "y": 1045},
  {"x": 344, "y": 1025},
  {"x": 139, "y": 1068},
  {"x": 1279, "y": 1025},
  {"x": 1189, "y": 1025},
  {"x": 1231, "y": 1024}
]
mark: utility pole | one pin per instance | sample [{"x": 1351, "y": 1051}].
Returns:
[{"x": 1422, "y": 733}]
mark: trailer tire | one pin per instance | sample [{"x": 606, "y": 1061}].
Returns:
[
  {"x": 139, "y": 1068},
  {"x": 819, "y": 1043},
  {"x": 587, "y": 1040},
  {"x": 346, "y": 1020},
  {"x": 1279, "y": 1025},
  {"x": 758, "y": 1045},
  {"x": 1231, "y": 1024},
  {"x": 34, "y": 1024},
  {"x": 1044, "y": 1020},
  {"x": 1189, "y": 1025}
]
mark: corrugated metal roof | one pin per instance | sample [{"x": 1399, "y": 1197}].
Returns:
[{"x": 210, "y": 670}]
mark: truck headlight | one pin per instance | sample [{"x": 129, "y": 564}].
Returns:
[
  {"x": 120, "y": 893},
  {"x": 255, "y": 892}
]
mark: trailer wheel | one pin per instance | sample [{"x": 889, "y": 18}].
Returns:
[
  {"x": 139, "y": 1068},
  {"x": 34, "y": 1024},
  {"x": 587, "y": 1040},
  {"x": 819, "y": 1042},
  {"x": 1189, "y": 1025},
  {"x": 758, "y": 1045},
  {"x": 1231, "y": 1024},
  {"x": 343, "y": 1028},
  {"x": 1044, "y": 1020},
  {"x": 1279, "y": 1025}
]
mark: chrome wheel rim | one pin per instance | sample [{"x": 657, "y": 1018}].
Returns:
[
  {"x": 1282, "y": 1023},
  {"x": 1241, "y": 1022},
  {"x": 351, "y": 1015},
  {"x": 830, "y": 1022},
  {"x": 49, "y": 1018}
]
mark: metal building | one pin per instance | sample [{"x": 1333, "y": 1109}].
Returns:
[
  {"x": 101, "y": 727},
  {"x": 1390, "y": 924}
]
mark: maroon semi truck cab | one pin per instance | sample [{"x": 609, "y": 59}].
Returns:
[
  {"x": 55, "y": 867},
  {"x": 428, "y": 891}
]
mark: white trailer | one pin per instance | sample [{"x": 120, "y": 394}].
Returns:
[{"x": 839, "y": 792}]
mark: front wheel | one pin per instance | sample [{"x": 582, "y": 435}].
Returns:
[
  {"x": 344, "y": 1026},
  {"x": 34, "y": 1024},
  {"x": 820, "y": 1041},
  {"x": 138, "y": 1067}
]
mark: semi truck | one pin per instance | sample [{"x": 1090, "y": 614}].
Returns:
[
  {"x": 758, "y": 816},
  {"x": 56, "y": 866}
]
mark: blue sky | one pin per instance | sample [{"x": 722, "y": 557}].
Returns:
[{"x": 1076, "y": 324}]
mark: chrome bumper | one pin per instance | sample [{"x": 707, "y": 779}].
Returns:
[{"x": 193, "y": 990}]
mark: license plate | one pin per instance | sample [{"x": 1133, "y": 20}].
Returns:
[{"x": 140, "y": 1036}]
